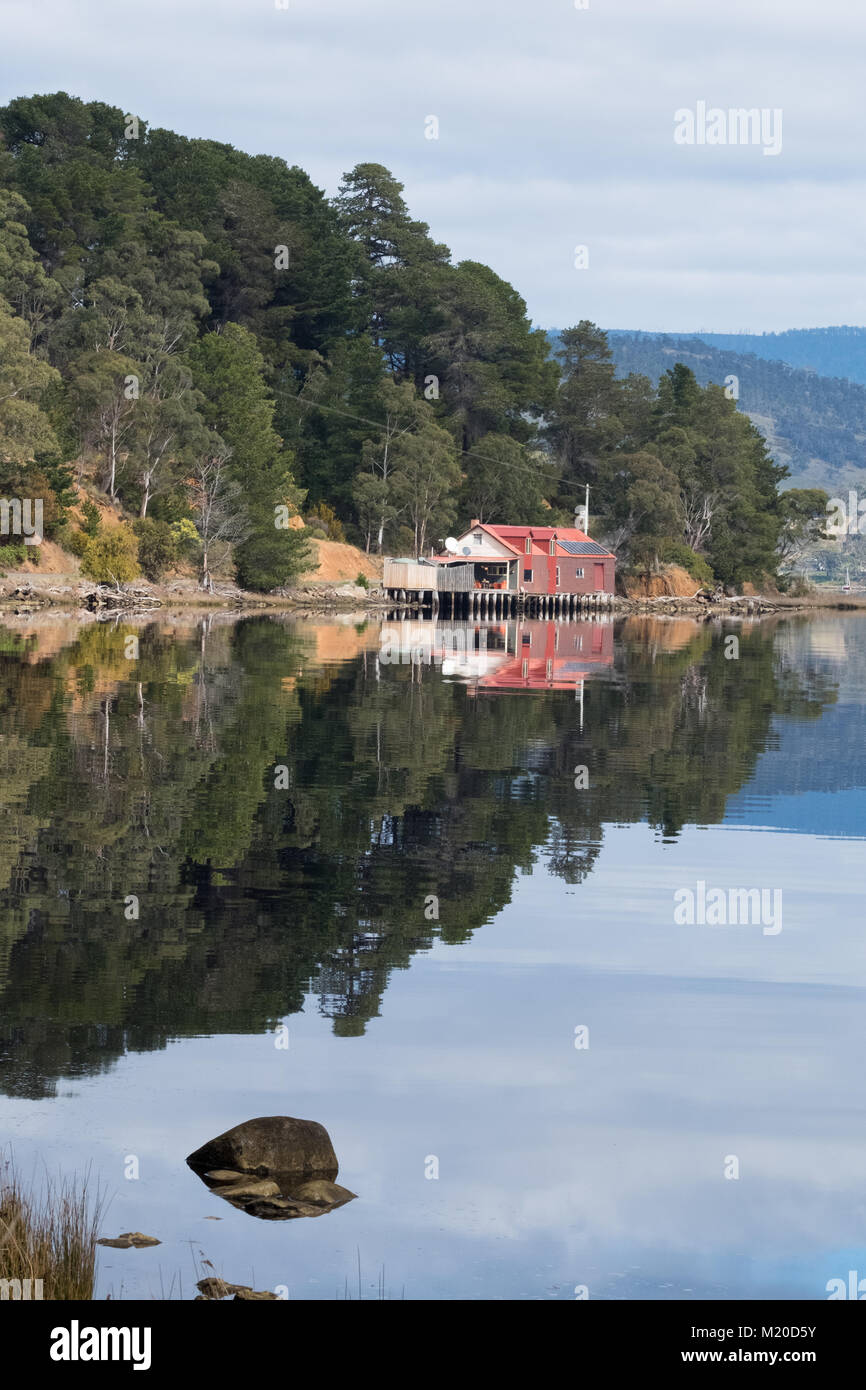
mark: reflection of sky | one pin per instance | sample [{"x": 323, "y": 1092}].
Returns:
[{"x": 557, "y": 1166}]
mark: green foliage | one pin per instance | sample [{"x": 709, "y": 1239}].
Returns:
[
  {"x": 228, "y": 369},
  {"x": 209, "y": 334},
  {"x": 157, "y": 547},
  {"x": 112, "y": 557},
  {"x": 362, "y": 581},
  {"x": 186, "y": 538},
  {"x": 803, "y": 513},
  {"x": 700, "y": 476},
  {"x": 815, "y": 418},
  {"x": 330, "y": 523},
  {"x": 676, "y": 553},
  {"x": 91, "y": 519}
]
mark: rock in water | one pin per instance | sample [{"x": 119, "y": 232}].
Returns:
[
  {"x": 322, "y": 1193},
  {"x": 128, "y": 1240},
  {"x": 249, "y": 1187},
  {"x": 270, "y": 1146}
]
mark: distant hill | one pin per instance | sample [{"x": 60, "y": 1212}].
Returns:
[
  {"x": 815, "y": 424},
  {"x": 829, "y": 351}
]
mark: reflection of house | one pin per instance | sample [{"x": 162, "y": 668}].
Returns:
[
  {"x": 534, "y": 559},
  {"x": 550, "y": 656},
  {"x": 522, "y": 654}
]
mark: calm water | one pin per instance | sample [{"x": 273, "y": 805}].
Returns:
[{"x": 402, "y": 861}]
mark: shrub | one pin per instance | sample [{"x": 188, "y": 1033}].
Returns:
[
  {"x": 362, "y": 581},
  {"x": 112, "y": 557},
  {"x": 186, "y": 538},
  {"x": 76, "y": 542},
  {"x": 678, "y": 553},
  {"x": 157, "y": 547},
  {"x": 327, "y": 517},
  {"x": 16, "y": 552}
]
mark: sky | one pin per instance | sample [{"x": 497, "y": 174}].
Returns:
[{"x": 556, "y": 131}]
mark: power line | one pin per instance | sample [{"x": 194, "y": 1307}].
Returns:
[{"x": 470, "y": 453}]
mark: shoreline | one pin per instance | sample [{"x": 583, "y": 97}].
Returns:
[{"x": 20, "y": 596}]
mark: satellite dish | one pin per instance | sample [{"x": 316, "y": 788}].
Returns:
[
  {"x": 467, "y": 550},
  {"x": 451, "y": 545}
]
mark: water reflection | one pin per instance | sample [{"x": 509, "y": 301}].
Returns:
[{"x": 250, "y": 810}]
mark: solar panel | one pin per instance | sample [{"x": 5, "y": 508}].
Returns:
[{"x": 583, "y": 547}]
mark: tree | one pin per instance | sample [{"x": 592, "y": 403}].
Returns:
[
  {"x": 217, "y": 503},
  {"x": 426, "y": 479},
  {"x": 228, "y": 369},
  {"x": 803, "y": 513},
  {"x": 402, "y": 414},
  {"x": 25, "y": 429},
  {"x": 494, "y": 370},
  {"x": 584, "y": 425},
  {"x": 505, "y": 483},
  {"x": 31, "y": 294}
]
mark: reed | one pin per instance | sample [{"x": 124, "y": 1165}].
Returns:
[{"x": 48, "y": 1233}]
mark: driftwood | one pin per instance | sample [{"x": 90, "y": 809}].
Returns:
[{"x": 105, "y": 599}]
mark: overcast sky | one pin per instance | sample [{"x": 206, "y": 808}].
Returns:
[{"x": 556, "y": 130}]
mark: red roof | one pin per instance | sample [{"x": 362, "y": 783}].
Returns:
[{"x": 541, "y": 537}]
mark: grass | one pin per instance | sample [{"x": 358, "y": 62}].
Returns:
[{"x": 49, "y": 1233}]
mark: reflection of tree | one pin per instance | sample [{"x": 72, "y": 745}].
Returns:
[{"x": 156, "y": 778}]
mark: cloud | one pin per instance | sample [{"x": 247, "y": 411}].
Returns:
[{"x": 556, "y": 128}]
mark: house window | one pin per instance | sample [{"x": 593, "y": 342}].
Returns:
[
  {"x": 527, "y": 576},
  {"x": 578, "y": 574},
  {"x": 526, "y": 639},
  {"x": 557, "y": 576},
  {"x": 477, "y": 536},
  {"x": 528, "y": 547},
  {"x": 553, "y": 546}
]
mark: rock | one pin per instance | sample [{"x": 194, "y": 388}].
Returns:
[
  {"x": 213, "y": 1289},
  {"x": 323, "y": 1193},
  {"x": 251, "y": 1187},
  {"x": 282, "y": 1209},
  {"x": 268, "y": 1146},
  {"x": 129, "y": 1238},
  {"x": 225, "y": 1175}
]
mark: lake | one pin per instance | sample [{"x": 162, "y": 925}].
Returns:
[{"x": 556, "y": 928}]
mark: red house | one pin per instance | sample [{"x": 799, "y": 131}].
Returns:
[{"x": 534, "y": 559}]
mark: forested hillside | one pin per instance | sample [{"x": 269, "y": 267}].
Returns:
[
  {"x": 814, "y": 424},
  {"x": 206, "y": 339},
  {"x": 838, "y": 351}
]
